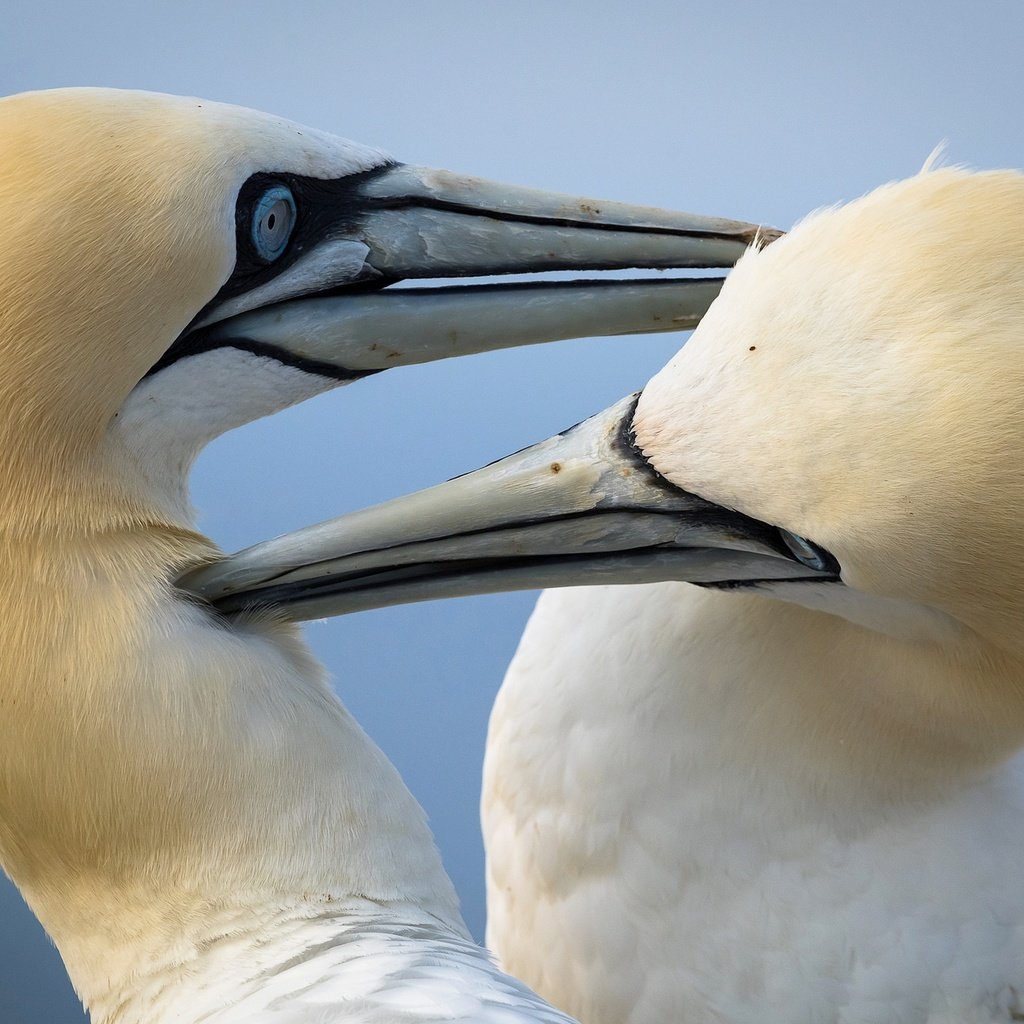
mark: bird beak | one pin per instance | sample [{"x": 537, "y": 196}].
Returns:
[
  {"x": 584, "y": 507},
  {"x": 330, "y": 310}
]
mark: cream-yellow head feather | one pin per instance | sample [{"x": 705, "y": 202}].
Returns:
[
  {"x": 119, "y": 226},
  {"x": 860, "y": 383}
]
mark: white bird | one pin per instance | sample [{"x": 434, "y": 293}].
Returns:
[
  {"x": 203, "y": 830},
  {"x": 795, "y": 795}
]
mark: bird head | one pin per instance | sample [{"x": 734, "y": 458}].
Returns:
[
  {"x": 859, "y": 385},
  {"x": 173, "y": 268},
  {"x": 122, "y": 221}
]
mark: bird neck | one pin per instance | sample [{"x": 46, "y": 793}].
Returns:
[
  {"x": 322, "y": 959},
  {"x": 241, "y": 955},
  {"x": 774, "y": 707},
  {"x": 157, "y": 761},
  {"x": 892, "y": 698}
]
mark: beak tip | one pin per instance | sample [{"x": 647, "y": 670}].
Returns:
[{"x": 764, "y": 236}]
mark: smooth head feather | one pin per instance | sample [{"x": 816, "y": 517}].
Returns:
[
  {"x": 118, "y": 228},
  {"x": 858, "y": 383}
]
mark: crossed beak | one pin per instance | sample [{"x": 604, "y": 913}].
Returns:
[{"x": 583, "y": 507}]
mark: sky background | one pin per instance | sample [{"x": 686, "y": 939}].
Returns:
[{"x": 743, "y": 109}]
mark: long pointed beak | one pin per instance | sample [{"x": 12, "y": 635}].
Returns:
[
  {"x": 427, "y": 223},
  {"x": 583, "y": 507},
  {"x": 331, "y": 310}
]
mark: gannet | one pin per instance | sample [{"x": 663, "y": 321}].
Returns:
[
  {"x": 794, "y": 794},
  {"x": 202, "y": 829}
]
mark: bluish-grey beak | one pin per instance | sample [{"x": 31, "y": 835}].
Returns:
[
  {"x": 583, "y": 507},
  {"x": 334, "y": 310}
]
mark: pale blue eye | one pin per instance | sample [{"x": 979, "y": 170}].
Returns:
[
  {"x": 806, "y": 552},
  {"x": 273, "y": 219}
]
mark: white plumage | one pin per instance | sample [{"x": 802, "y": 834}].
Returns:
[
  {"x": 201, "y": 827},
  {"x": 801, "y": 803}
]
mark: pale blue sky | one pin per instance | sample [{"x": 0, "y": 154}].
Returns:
[{"x": 746, "y": 109}]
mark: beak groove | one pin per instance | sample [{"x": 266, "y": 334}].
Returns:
[{"x": 426, "y": 223}]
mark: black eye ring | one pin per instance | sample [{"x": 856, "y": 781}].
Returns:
[{"x": 273, "y": 221}]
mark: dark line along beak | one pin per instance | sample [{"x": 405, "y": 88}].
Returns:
[
  {"x": 324, "y": 310},
  {"x": 583, "y": 507}
]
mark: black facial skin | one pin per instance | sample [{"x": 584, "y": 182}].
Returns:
[{"x": 326, "y": 209}]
